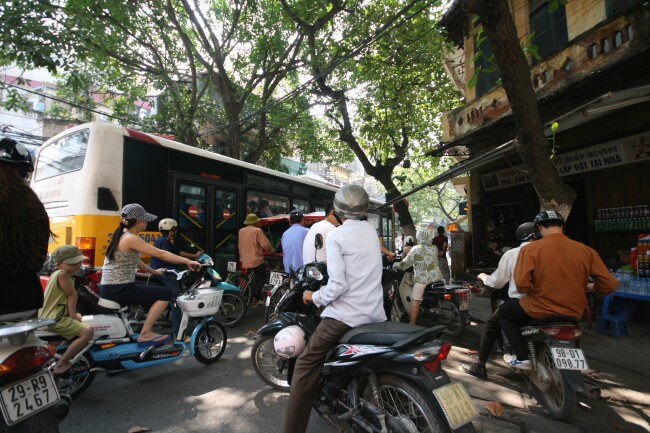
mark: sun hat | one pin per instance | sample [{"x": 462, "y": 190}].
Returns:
[
  {"x": 134, "y": 211},
  {"x": 68, "y": 254},
  {"x": 251, "y": 218}
]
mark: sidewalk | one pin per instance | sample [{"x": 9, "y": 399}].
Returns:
[{"x": 618, "y": 366}]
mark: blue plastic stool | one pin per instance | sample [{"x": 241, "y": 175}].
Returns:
[{"x": 612, "y": 325}]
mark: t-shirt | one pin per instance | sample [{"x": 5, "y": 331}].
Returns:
[
  {"x": 309, "y": 252},
  {"x": 55, "y": 304},
  {"x": 292, "y": 242},
  {"x": 163, "y": 243},
  {"x": 439, "y": 241}
]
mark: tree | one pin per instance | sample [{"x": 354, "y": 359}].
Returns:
[
  {"x": 531, "y": 143},
  {"x": 383, "y": 100}
]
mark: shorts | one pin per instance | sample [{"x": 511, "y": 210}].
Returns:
[
  {"x": 136, "y": 294},
  {"x": 418, "y": 291},
  {"x": 67, "y": 327}
]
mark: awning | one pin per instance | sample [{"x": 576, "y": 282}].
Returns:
[{"x": 460, "y": 168}]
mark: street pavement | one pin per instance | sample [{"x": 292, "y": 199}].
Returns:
[{"x": 187, "y": 396}]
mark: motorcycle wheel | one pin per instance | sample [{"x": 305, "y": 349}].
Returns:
[
  {"x": 398, "y": 313},
  {"x": 78, "y": 380},
  {"x": 269, "y": 312},
  {"x": 411, "y": 409},
  {"x": 268, "y": 365},
  {"x": 210, "y": 342},
  {"x": 560, "y": 399},
  {"x": 232, "y": 309},
  {"x": 449, "y": 315}
]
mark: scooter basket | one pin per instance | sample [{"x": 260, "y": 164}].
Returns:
[{"x": 203, "y": 302}]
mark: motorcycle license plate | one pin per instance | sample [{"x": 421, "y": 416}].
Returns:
[
  {"x": 232, "y": 266},
  {"x": 275, "y": 278},
  {"x": 567, "y": 358},
  {"x": 22, "y": 399},
  {"x": 463, "y": 304},
  {"x": 456, "y": 404}
]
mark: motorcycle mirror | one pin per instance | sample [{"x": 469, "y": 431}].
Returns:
[{"x": 318, "y": 241}]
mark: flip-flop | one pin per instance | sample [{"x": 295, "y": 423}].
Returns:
[
  {"x": 156, "y": 341},
  {"x": 63, "y": 374}
]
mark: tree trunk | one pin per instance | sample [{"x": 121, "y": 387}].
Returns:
[{"x": 531, "y": 143}]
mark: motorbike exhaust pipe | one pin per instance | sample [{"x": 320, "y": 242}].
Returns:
[{"x": 591, "y": 390}]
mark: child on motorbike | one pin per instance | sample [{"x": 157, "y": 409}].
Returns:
[{"x": 60, "y": 304}]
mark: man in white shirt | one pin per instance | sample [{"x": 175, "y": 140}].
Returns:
[
  {"x": 309, "y": 251},
  {"x": 504, "y": 274},
  {"x": 352, "y": 297}
]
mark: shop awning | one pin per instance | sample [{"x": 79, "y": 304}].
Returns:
[{"x": 460, "y": 168}]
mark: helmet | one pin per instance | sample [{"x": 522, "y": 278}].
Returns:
[
  {"x": 167, "y": 224},
  {"x": 525, "y": 232},
  {"x": 549, "y": 215},
  {"x": 290, "y": 342},
  {"x": 15, "y": 153},
  {"x": 351, "y": 201}
]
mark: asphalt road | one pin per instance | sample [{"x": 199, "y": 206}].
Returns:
[{"x": 186, "y": 396}]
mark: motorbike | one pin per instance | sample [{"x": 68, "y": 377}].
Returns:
[
  {"x": 557, "y": 362},
  {"x": 114, "y": 347},
  {"x": 442, "y": 304},
  {"x": 29, "y": 398},
  {"x": 383, "y": 377}
]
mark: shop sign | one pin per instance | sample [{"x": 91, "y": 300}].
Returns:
[{"x": 606, "y": 155}]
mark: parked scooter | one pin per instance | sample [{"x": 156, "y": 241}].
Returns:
[
  {"x": 446, "y": 305},
  {"x": 384, "y": 377},
  {"x": 114, "y": 347},
  {"x": 557, "y": 363},
  {"x": 29, "y": 398}
]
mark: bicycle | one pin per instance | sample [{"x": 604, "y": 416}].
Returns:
[{"x": 271, "y": 294}]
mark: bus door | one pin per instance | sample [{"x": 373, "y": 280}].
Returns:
[{"x": 207, "y": 217}]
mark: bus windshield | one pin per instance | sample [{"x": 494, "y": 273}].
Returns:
[{"x": 62, "y": 156}]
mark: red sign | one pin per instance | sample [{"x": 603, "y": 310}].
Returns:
[
  {"x": 226, "y": 214},
  {"x": 192, "y": 211}
]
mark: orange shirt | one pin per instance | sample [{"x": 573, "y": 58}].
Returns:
[
  {"x": 553, "y": 272},
  {"x": 252, "y": 241}
]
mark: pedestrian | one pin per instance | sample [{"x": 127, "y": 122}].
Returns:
[
  {"x": 252, "y": 245},
  {"x": 292, "y": 241},
  {"x": 504, "y": 273},
  {"x": 167, "y": 242},
  {"x": 441, "y": 242},
  {"x": 24, "y": 234},
  {"x": 353, "y": 296},
  {"x": 60, "y": 304},
  {"x": 309, "y": 251},
  {"x": 553, "y": 272},
  {"x": 424, "y": 260},
  {"x": 122, "y": 259}
]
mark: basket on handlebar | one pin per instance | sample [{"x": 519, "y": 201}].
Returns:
[{"x": 202, "y": 302}]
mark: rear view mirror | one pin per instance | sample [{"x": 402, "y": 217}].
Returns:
[{"x": 318, "y": 241}]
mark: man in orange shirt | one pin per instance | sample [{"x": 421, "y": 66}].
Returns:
[
  {"x": 252, "y": 243},
  {"x": 554, "y": 273}
]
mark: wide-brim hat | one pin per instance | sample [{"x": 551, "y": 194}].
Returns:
[
  {"x": 134, "y": 211},
  {"x": 251, "y": 218},
  {"x": 68, "y": 254}
]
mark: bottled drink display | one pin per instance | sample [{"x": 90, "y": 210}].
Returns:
[{"x": 629, "y": 218}]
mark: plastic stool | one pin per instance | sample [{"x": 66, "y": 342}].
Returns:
[{"x": 612, "y": 325}]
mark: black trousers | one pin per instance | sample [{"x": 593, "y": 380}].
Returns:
[
  {"x": 259, "y": 280},
  {"x": 511, "y": 318}
]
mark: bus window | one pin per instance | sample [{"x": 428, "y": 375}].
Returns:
[
  {"x": 266, "y": 204},
  {"x": 302, "y": 205},
  {"x": 62, "y": 156}
]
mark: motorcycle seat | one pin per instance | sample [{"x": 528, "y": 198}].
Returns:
[
  {"x": 436, "y": 285},
  {"x": 552, "y": 320},
  {"x": 107, "y": 303},
  {"x": 387, "y": 334}
]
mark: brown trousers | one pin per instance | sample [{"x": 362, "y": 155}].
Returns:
[{"x": 307, "y": 372}]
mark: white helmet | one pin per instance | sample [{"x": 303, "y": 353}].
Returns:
[
  {"x": 290, "y": 342},
  {"x": 351, "y": 201},
  {"x": 167, "y": 224}
]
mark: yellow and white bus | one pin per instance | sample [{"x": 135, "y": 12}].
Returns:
[{"x": 85, "y": 175}]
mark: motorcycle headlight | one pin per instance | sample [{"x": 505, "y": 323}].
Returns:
[{"x": 313, "y": 273}]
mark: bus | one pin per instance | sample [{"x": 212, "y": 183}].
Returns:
[{"x": 86, "y": 174}]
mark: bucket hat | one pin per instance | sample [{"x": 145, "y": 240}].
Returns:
[
  {"x": 68, "y": 254},
  {"x": 251, "y": 218},
  {"x": 136, "y": 212}
]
